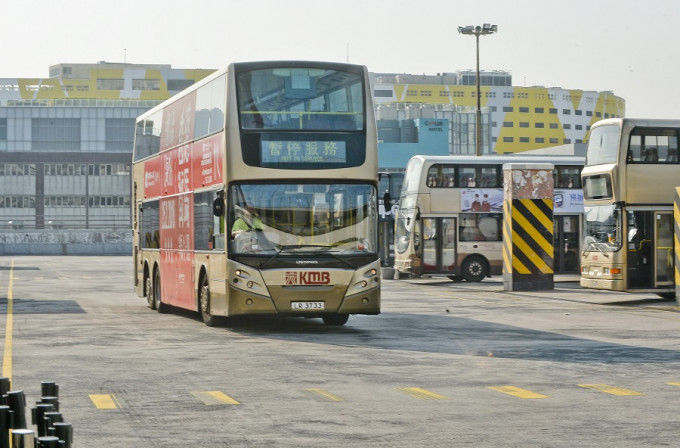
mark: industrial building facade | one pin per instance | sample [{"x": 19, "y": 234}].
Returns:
[
  {"x": 514, "y": 119},
  {"x": 66, "y": 142}
]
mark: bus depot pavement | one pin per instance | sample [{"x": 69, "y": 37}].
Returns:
[
  {"x": 438, "y": 367},
  {"x": 566, "y": 287}
]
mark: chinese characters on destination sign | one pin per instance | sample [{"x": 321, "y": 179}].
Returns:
[{"x": 281, "y": 151}]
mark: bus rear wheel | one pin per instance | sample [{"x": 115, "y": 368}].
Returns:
[
  {"x": 148, "y": 286},
  {"x": 474, "y": 269},
  {"x": 156, "y": 293},
  {"x": 204, "y": 303},
  {"x": 335, "y": 319}
]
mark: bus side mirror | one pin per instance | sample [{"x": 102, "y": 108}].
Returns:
[{"x": 218, "y": 207}]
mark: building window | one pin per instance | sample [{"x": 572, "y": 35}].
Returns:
[
  {"x": 120, "y": 134},
  {"x": 554, "y": 126},
  {"x": 3, "y": 134},
  {"x": 589, "y": 113},
  {"x": 110, "y": 84},
  {"x": 553, "y": 110},
  {"x": 524, "y": 110},
  {"x": 566, "y": 126},
  {"x": 554, "y": 140},
  {"x": 540, "y": 140},
  {"x": 146, "y": 84},
  {"x": 175, "y": 85},
  {"x": 507, "y": 109},
  {"x": 523, "y": 124},
  {"x": 578, "y": 112},
  {"x": 524, "y": 139},
  {"x": 508, "y": 124},
  {"x": 56, "y": 134},
  {"x": 566, "y": 111},
  {"x": 539, "y": 125},
  {"x": 508, "y": 139},
  {"x": 539, "y": 110}
]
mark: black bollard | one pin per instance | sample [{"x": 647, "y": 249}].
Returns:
[
  {"x": 49, "y": 389},
  {"x": 50, "y": 419},
  {"x": 38, "y": 414},
  {"x": 64, "y": 431},
  {"x": 4, "y": 388},
  {"x": 54, "y": 401},
  {"x": 48, "y": 442},
  {"x": 16, "y": 400},
  {"x": 5, "y": 424},
  {"x": 23, "y": 438}
]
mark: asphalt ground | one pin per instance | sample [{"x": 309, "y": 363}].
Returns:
[{"x": 445, "y": 364}]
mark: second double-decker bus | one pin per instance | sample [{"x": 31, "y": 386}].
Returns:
[
  {"x": 450, "y": 215},
  {"x": 255, "y": 192},
  {"x": 629, "y": 181}
]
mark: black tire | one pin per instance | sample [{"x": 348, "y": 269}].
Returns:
[
  {"x": 474, "y": 269},
  {"x": 148, "y": 285},
  {"x": 335, "y": 319},
  {"x": 456, "y": 278},
  {"x": 156, "y": 291},
  {"x": 204, "y": 302}
]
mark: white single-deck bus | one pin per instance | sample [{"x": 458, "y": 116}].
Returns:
[
  {"x": 255, "y": 192},
  {"x": 629, "y": 182},
  {"x": 450, "y": 215}
]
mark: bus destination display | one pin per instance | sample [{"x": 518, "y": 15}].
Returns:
[{"x": 274, "y": 152}]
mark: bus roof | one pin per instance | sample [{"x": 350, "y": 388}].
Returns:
[{"x": 499, "y": 159}]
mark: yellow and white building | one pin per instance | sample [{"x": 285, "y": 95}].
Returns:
[{"x": 514, "y": 119}]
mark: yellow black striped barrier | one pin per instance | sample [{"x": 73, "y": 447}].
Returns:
[
  {"x": 676, "y": 233},
  {"x": 529, "y": 252}
]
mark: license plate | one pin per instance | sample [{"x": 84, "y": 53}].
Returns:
[{"x": 307, "y": 306}]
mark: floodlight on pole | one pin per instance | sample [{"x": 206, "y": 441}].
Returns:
[{"x": 477, "y": 31}]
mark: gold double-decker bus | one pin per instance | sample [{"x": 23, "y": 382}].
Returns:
[
  {"x": 629, "y": 182},
  {"x": 450, "y": 216},
  {"x": 255, "y": 192}
]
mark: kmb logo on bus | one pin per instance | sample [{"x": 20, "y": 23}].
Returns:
[{"x": 308, "y": 278}]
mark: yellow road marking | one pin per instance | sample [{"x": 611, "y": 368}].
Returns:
[
  {"x": 325, "y": 394},
  {"x": 518, "y": 392},
  {"x": 421, "y": 394},
  {"x": 674, "y": 383},
  {"x": 214, "y": 397},
  {"x": 9, "y": 326},
  {"x": 613, "y": 390},
  {"x": 104, "y": 401}
]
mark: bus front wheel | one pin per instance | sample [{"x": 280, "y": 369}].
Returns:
[
  {"x": 474, "y": 269},
  {"x": 204, "y": 303}
]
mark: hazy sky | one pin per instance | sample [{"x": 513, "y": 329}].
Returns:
[{"x": 627, "y": 46}]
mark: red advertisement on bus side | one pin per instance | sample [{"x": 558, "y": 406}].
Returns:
[
  {"x": 207, "y": 156},
  {"x": 177, "y": 243}
]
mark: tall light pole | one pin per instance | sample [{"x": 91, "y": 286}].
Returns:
[{"x": 478, "y": 31}]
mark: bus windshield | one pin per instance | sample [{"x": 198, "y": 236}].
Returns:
[
  {"x": 294, "y": 218},
  {"x": 300, "y": 98},
  {"x": 603, "y": 145},
  {"x": 603, "y": 228}
]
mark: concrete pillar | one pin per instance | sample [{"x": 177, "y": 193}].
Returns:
[
  {"x": 528, "y": 252},
  {"x": 676, "y": 241}
]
